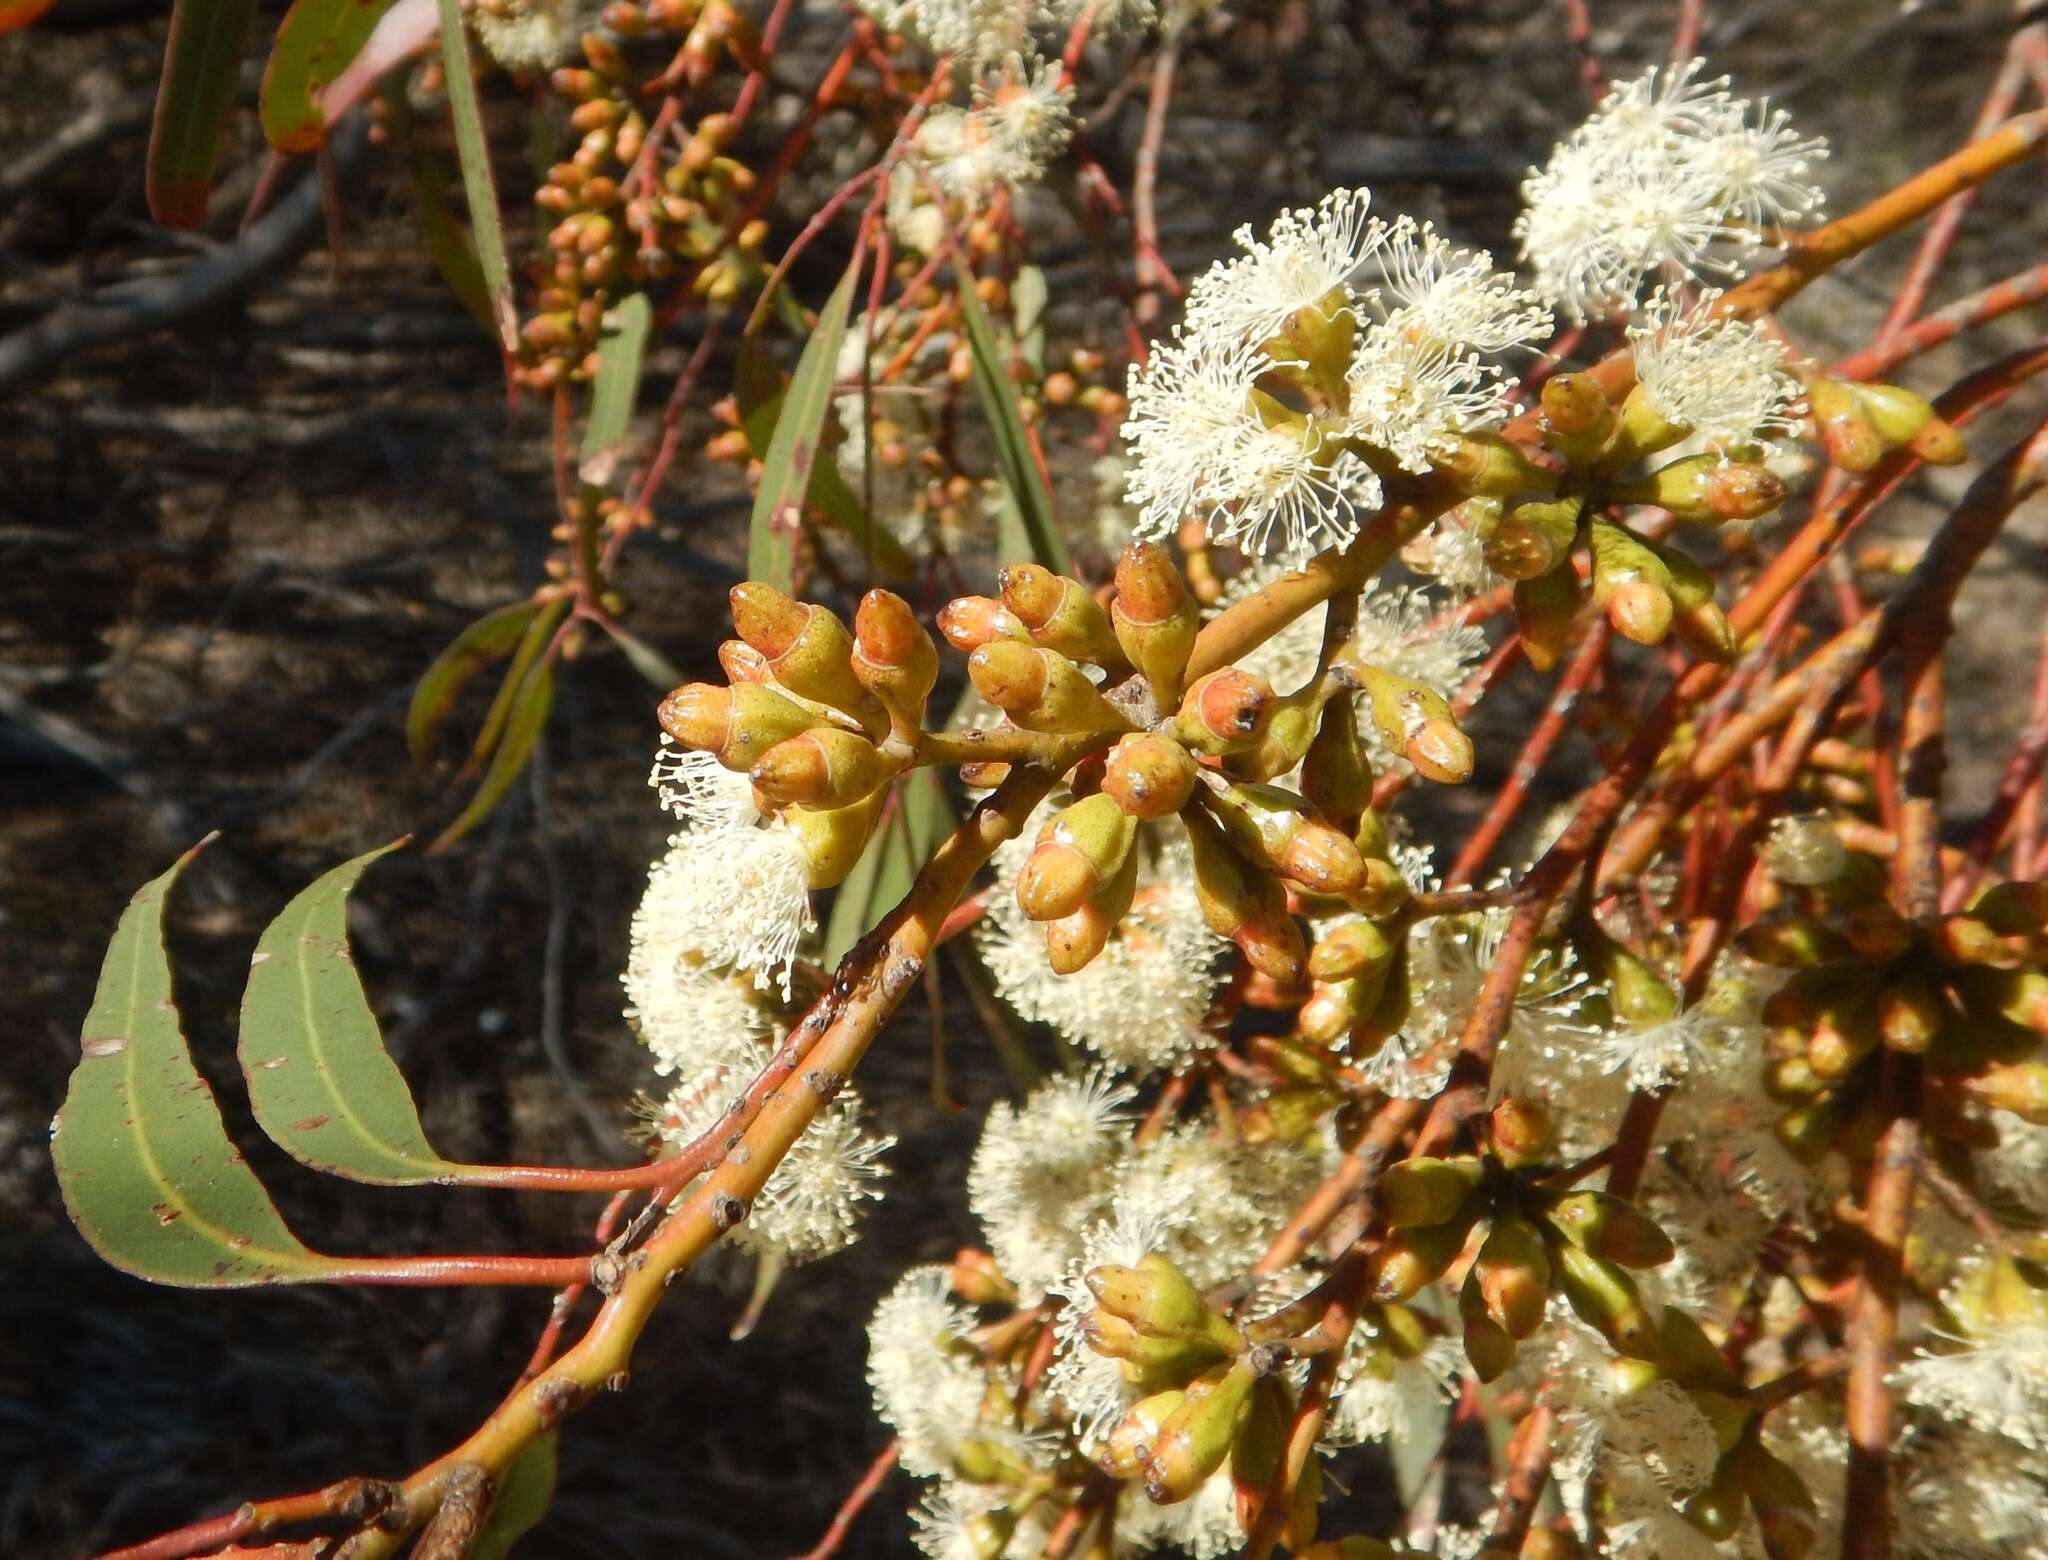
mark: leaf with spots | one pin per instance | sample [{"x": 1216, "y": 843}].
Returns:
[
  {"x": 148, "y": 1172},
  {"x": 320, "y": 1081}
]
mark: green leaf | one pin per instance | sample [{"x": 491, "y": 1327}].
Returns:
[
  {"x": 620, "y": 349},
  {"x": 320, "y": 1081},
  {"x": 201, "y": 63},
  {"x": 475, "y": 156},
  {"x": 448, "y": 241},
  {"x": 540, "y": 633},
  {"x": 488, "y": 639},
  {"x": 793, "y": 448},
  {"x": 649, "y": 662},
  {"x": 148, "y": 1172},
  {"x": 1036, "y": 536},
  {"x": 530, "y": 706},
  {"x": 524, "y": 1495},
  {"x": 315, "y": 43}
]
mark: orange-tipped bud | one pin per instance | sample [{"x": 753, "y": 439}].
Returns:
[
  {"x": 1640, "y": 611},
  {"x": 1077, "y": 854},
  {"x": 1224, "y": 711},
  {"x": 1155, "y": 1297},
  {"x": 741, "y": 662},
  {"x": 1336, "y": 774},
  {"x": 1708, "y": 489},
  {"x": 969, "y": 622},
  {"x": 1513, "y": 1271},
  {"x": 893, "y": 657},
  {"x": 1407, "y": 1260},
  {"x": 1843, "y": 422},
  {"x": 2020, "y": 1087},
  {"x": 1521, "y": 1131},
  {"x": 1060, "y": 614},
  {"x": 1194, "y": 1440},
  {"x": 1416, "y": 722},
  {"x": 1910, "y": 1013},
  {"x": 1073, "y": 941},
  {"x": 1150, "y": 776},
  {"x": 1533, "y": 538},
  {"x": 736, "y": 725},
  {"x": 822, "y": 767},
  {"x": 1354, "y": 949},
  {"x": 1272, "y": 826},
  {"x": 1335, "y": 1008},
  {"x": 1631, "y": 583},
  {"x": 1245, "y": 904},
  {"x": 1289, "y": 729},
  {"x": 806, "y": 646},
  {"x": 975, "y": 1278},
  {"x": 1939, "y": 444},
  {"x": 1421, "y": 1190},
  {"x": 1545, "y": 610},
  {"x": 1128, "y": 1445},
  {"x": 1040, "y": 690},
  {"x": 1606, "y": 1299},
  {"x": 1154, "y": 618}
]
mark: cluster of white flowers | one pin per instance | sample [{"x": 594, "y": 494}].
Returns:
[
  {"x": 1018, "y": 121},
  {"x": 1139, "y": 1005},
  {"x": 1672, "y": 176},
  {"x": 1725, "y": 381},
  {"x": 1397, "y": 369},
  {"x": 524, "y": 35}
]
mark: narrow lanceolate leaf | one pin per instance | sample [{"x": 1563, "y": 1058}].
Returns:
[
  {"x": 489, "y": 638},
  {"x": 148, "y": 1172},
  {"x": 448, "y": 241},
  {"x": 528, "y": 718},
  {"x": 201, "y": 61},
  {"x": 524, "y": 1495},
  {"x": 316, "y": 42},
  {"x": 1038, "y": 538},
  {"x": 620, "y": 349},
  {"x": 793, "y": 448},
  {"x": 477, "y": 185},
  {"x": 320, "y": 1081}
]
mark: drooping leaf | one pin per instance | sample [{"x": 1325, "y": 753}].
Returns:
[
  {"x": 523, "y": 1498},
  {"x": 320, "y": 1081},
  {"x": 316, "y": 42},
  {"x": 448, "y": 241},
  {"x": 759, "y": 391},
  {"x": 201, "y": 63},
  {"x": 489, "y": 638},
  {"x": 793, "y": 447},
  {"x": 1030, "y": 501},
  {"x": 148, "y": 1172},
  {"x": 528, "y": 718},
  {"x": 475, "y": 157},
  {"x": 620, "y": 348},
  {"x": 540, "y": 633},
  {"x": 649, "y": 662}
]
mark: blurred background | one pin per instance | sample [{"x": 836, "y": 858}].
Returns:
[{"x": 229, "y": 543}]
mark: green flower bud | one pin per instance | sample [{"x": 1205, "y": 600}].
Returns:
[
  {"x": 1245, "y": 904},
  {"x": 1488, "y": 1345},
  {"x": 1534, "y": 537},
  {"x": 1410, "y": 1258},
  {"x": 1150, "y": 776},
  {"x": 1073, "y": 941},
  {"x": 1416, "y": 722},
  {"x": 1040, "y": 690},
  {"x": 806, "y": 647},
  {"x": 824, "y": 767},
  {"x": 833, "y": 839},
  {"x": 1513, "y": 1274},
  {"x": 1351, "y": 950},
  {"x": 736, "y": 725},
  {"x": 1059, "y": 614},
  {"x": 1545, "y": 610},
  {"x": 1272, "y": 826},
  {"x": 1605, "y": 1298},
  {"x": 1421, "y": 1190},
  {"x": 1610, "y": 1228},
  {"x": 1193, "y": 1442},
  {"x": 1224, "y": 712},
  {"x": 1154, "y": 618},
  {"x": 1077, "y": 855},
  {"x": 1336, "y": 774}
]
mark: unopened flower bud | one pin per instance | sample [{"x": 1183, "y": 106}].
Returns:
[
  {"x": 1060, "y": 614},
  {"x": 1939, "y": 444},
  {"x": 1073, "y": 941},
  {"x": 1194, "y": 1440},
  {"x": 1273, "y": 827},
  {"x": 969, "y": 622},
  {"x": 741, "y": 662},
  {"x": 1355, "y": 948},
  {"x": 1488, "y": 1345},
  {"x": 975, "y": 1278},
  {"x": 1610, "y": 1228},
  {"x": 1533, "y": 538},
  {"x": 1545, "y": 610},
  {"x": 1155, "y": 1297},
  {"x": 1513, "y": 1273},
  {"x": 823, "y": 767},
  {"x": 1335, "y": 1008},
  {"x": 1606, "y": 1299},
  {"x": 1784, "y": 1508},
  {"x": 1336, "y": 773},
  {"x": 1150, "y": 776},
  {"x": 1521, "y": 1130},
  {"x": 1129, "y": 1444},
  {"x": 1630, "y": 583},
  {"x": 1422, "y": 1190},
  {"x": 1041, "y": 690},
  {"x": 1407, "y": 1260},
  {"x": 806, "y": 645},
  {"x": 736, "y": 725},
  {"x": 1843, "y": 422},
  {"x": 1289, "y": 729},
  {"x": 893, "y": 657},
  {"x": 1224, "y": 711},
  {"x": 1486, "y": 463},
  {"x": 1244, "y": 904},
  {"x": 834, "y": 839},
  {"x": 2020, "y": 1087},
  {"x": 1154, "y": 618},
  {"x": 1910, "y": 1013},
  {"x": 1708, "y": 489},
  {"x": 1077, "y": 854},
  {"x": 1416, "y": 722}
]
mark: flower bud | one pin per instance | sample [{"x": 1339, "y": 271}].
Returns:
[
  {"x": 1513, "y": 1273},
  {"x": 1486, "y": 463},
  {"x": 1356, "y": 948},
  {"x": 2020, "y": 1087},
  {"x": 1521, "y": 1131},
  {"x": 2016, "y": 996},
  {"x": 1717, "y": 1509},
  {"x": 1272, "y": 827},
  {"x": 1244, "y": 904},
  {"x": 833, "y": 839},
  {"x": 969, "y": 622},
  {"x": 1073, "y": 941},
  {"x": 893, "y": 657},
  {"x": 1150, "y": 776},
  {"x": 1910, "y": 1013},
  {"x": 1131, "y": 1441},
  {"x": 1488, "y": 1345},
  {"x": 1255, "y": 1457},
  {"x": 824, "y": 767},
  {"x": 807, "y": 647},
  {"x": 1040, "y": 690},
  {"x": 1154, "y": 618},
  {"x": 1194, "y": 1440},
  {"x": 1576, "y": 406},
  {"x": 1416, "y": 722},
  {"x": 1707, "y": 489},
  {"x": 1077, "y": 854},
  {"x": 1841, "y": 1036},
  {"x": 1534, "y": 537},
  {"x": 1336, "y": 774},
  {"x": 1785, "y": 1514},
  {"x": 1800, "y": 943},
  {"x": 1155, "y": 1297},
  {"x": 1224, "y": 711},
  {"x": 1545, "y": 610},
  {"x": 1896, "y": 414},
  {"x": 1408, "y": 1259},
  {"x": 1059, "y": 614},
  {"x": 1842, "y": 419},
  {"x": 975, "y": 1278},
  {"x": 1421, "y": 1190},
  {"x": 1610, "y": 1228},
  {"x": 741, "y": 662},
  {"x": 1630, "y": 583},
  {"x": 736, "y": 725},
  {"x": 1702, "y": 627},
  {"x": 1335, "y": 1008},
  {"x": 1939, "y": 444},
  {"x": 1289, "y": 729},
  {"x": 1605, "y": 1298}
]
